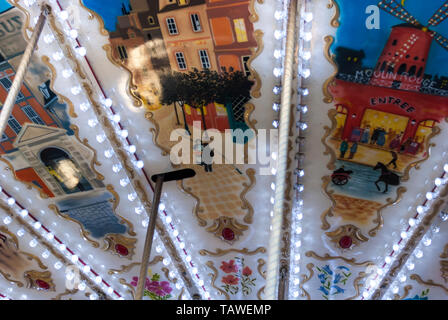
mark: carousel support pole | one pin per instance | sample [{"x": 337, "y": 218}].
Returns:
[
  {"x": 159, "y": 179},
  {"x": 273, "y": 266},
  {"x": 21, "y": 71}
]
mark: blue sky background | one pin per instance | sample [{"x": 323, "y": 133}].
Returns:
[
  {"x": 4, "y": 5},
  {"x": 109, "y": 10},
  {"x": 353, "y": 33}
]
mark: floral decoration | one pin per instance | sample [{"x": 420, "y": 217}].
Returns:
[
  {"x": 332, "y": 282},
  {"x": 238, "y": 276},
  {"x": 154, "y": 288}
]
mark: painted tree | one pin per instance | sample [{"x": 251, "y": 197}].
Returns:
[{"x": 172, "y": 88}]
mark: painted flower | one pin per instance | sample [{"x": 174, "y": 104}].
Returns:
[
  {"x": 325, "y": 291},
  {"x": 229, "y": 267},
  {"x": 327, "y": 269},
  {"x": 160, "y": 288},
  {"x": 134, "y": 281},
  {"x": 247, "y": 271},
  {"x": 338, "y": 289},
  {"x": 230, "y": 279},
  {"x": 322, "y": 278},
  {"x": 337, "y": 278}
]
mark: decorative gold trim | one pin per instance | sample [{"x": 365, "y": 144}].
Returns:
[
  {"x": 253, "y": 13},
  {"x": 64, "y": 99},
  {"x": 78, "y": 68},
  {"x": 113, "y": 239},
  {"x": 85, "y": 142},
  {"x": 430, "y": 283},
  {"x": 379, "y": 217},
  {"x": 126, "y": 268},
  {"x": 254, "y": 76},
  {"x": 222, "y": 223},
  {"x": 221, "y": 252},
  {"x": 15, "y": 3},
  {"x": 444, "y": 254},
  {"x": 84, "y": 233},
  {"x": 32, "y": 276},
  {"x": 405, "y": 294},
  {"x": 248, "y": 218},
  {"x": 248, "y": 110},
  {"x": 166, "y": 272},
  {"x": 261, "y": 263},
  {"x": 131, "y": 289},
  {"x": 55, "y": 28},
  {"x": 92, "y": 15},
  {"x": 65, "y": 293},
  {"x": 29, "y": 185},
  {"x": 335, "y": 20},
  {"x": 179, "y": 297},
  {"x": 116, "y": 202},
  {"x": 130, "y": 85},
  {"x": 329, "y": 212},
  {"x": 395, "y": 269},
  {"x": 327, "y": 257},
  {"x": 328, "y": 150},
  {"x": 357, "y": 285},
  {"x": 197, "y": 207},
  {"x": 305, "y": 279},
  {"x": 330, "y": 58},
  {"x": 214, "y": 276},
  {"x": 349, "y": 230},
  {"x": 155, "y": 133}
]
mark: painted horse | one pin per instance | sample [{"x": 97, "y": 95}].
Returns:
[{"x": 387, "y": 176}]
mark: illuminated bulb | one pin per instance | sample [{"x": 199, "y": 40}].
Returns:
[
  {"x": 11, "y": 201},
  {"x": 438, "y": 182},
  {"x": 274, "y": 155},
  {"x": 81, "y": 51},
  {"x": 365, "y": 294},
  {"x": 277, "y": 72},
  {"x": 420, "y": 209},
  {"x": 303, "y": 126},
  {"x": 124, "y": 182},
  {"x": 50, "y": 236},
  {"x": 62, "y": 247},
  {"x": 132, "y": 196},
  {"x": 101, "y": 138},
  {"x": 298, "y": 230},
  {"x": 92, "y": 122},
  {"x": 7, "y": 220},
  {"x": 98, "y": 280},
  {"x": 165, "y": 262},
  {"x": 108, "y": 102},
  {"x": 388, "y": 259},
  {"x": 132, "y": 149},
  {"x": 74, "y": 258},
  {"x": 70, "y": 275},
  {"x": 67, "y": 73},
  {"x": 76, "y": 90},
  {"x": 307, "y": 36},
  {"x": 175, "y": 233},
  {"x": 116, "y": 167},
  {"x": 33, "y": 243},
  {"x": 82, "y": 286},
  {"x": 73, "y": 33},
  {"x": 308, "y": 16},
  {"x": 404, "y": 235},
  {"x": 412, "y": 222},
  {"x": 110, "y": 290},
  {"x": 93, "y": 296},
  {"x": 278, "y": 34},
  {"x": 296, "y": 269},
  {"x": 403, "y": 278},
  {"x": 277, "y": 54},
  {"x": 395, "y": 289},
  {"x": 206, "y": 295},
  {"x": 298, "y": 244},
  {"x": 396, "y": 247},
  {"x": 108, "y": 153},
  {"x": 63, "y": 15},
  {"x": 411, "y": 266},
  {"x": 299, "y": 216},
  {"x": 306, "y": 73},
  {"x": 84, "y": 106},
  {"x": 182, "y": 245},
  {"x": 306, "y": 55},
  {"x": 305, "y": 91},
  {"x": 429, "y": 195},
  {"x": 278, "y": 15},
  {"x": 277, "y": 90},
  {"x": 168, "y": 219},
  {"x": 124, "y": 134},
  {"x": 145, "y": 222},
  {"x": 178, "y": 285},
  {"x": 188, "y": 258},
  {"x": 58, "y": 55},
  {"x": 445, "y": 167},
  {"x": 419, "y": 254},
  {"x": 140, "y": 164},
  {"x": 37, "y": 225},
  {"x": 116, "y": 118},
  {"x": 58, "y": 265},
  {"x": 297, "y": 257},
  {"x": 272, "y": 200},
  {"x": 138, "y": 210},
  {"x": 275, "y": 123},
  {"x": 274, "y": 171},
  {"x": 48, "y": 38},
  {"x": 273, "y": 186},
  {"x": 276, "y": 107},
  {"x": 162, "y": 206}
]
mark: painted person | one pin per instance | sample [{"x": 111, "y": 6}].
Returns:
[
  {"x": 207, "y": 157},
  {"x": 353, "y": 150},
  {"x": 394, "y": 159},
  {"x": 374, "y": 136},
  {"x": 12, "y": 261},
  {"x": 395, "y": 143},
  {"x": 366, "y": 135},
  {"x": 381, "y": 140},
  {"x": 343, "y": 148}
]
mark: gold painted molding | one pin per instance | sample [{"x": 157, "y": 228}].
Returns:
[
  {"x": 430, "y": 282},
  {"x": 126, "y": 268},
  {"x": 407, "y": 289},
  {"x": 330, "y": 58},
  {"x": 305, "y": 279},
  {"x": 335, "y": 20},
  {"x": 248, "y": 218},
  {"x": 65, "y": 293},
  {"x": 221, "y": 252},
  {"x": 214, "y": 276},
  {"x": 327, "y": 257}
]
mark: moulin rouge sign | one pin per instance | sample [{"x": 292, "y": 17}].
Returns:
[{"x": 393, "y": 101}]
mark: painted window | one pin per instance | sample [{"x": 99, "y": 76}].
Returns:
[
  {"x": 183, "y": 2},
  {"x": 205, "y": 61},
  {"x": 4, "y": 138},
  {"x": 222, "y": 31},
  {"x": 195, "y": 22},
  {"x": 32, "y": 115},
  {"x": 151, "y": 20},
  {"x": 14, "y": 124},
  {"x": 172, "y": 27},
  {"x": 240, "y": 30},
  {"x": 181, "y": 63},
  {"x": 122, "y": 52},
  {"x": 7, "y": 84},
  {"x": 245, "y": 65}
]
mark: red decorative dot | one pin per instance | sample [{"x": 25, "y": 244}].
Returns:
[
  {"x": 345, "y": 242},
  {"x": 121, "y": 250},
  {"x": 228, "y": 234},
  {"x": 42, "y": 284}
]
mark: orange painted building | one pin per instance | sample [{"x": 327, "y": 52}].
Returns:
[
  {"x": 232, "y": 32},
  {"x": 187, "y": 35}
]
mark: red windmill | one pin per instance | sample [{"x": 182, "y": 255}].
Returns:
[{"x": 403, "y": 61}]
